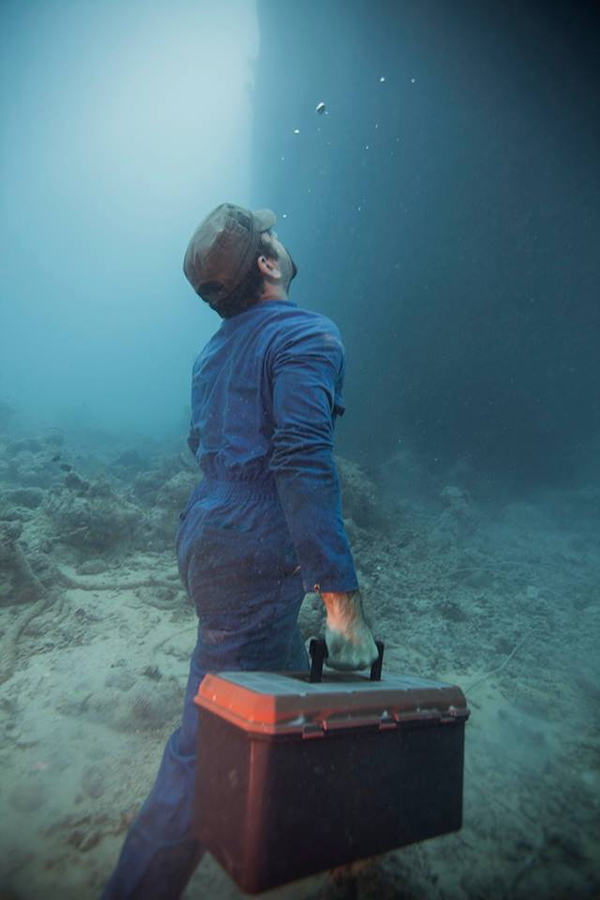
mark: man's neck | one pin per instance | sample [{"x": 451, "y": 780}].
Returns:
[{"x": 274, "y": 295}]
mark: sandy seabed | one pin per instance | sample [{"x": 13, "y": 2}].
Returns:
[{"x": 503, "y": 602}]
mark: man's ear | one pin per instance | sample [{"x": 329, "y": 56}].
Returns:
[{"x": 269, "y": 267}]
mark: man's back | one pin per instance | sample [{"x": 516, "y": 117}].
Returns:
[
  {"x": 266, "y": 390},
  {"x": 233, "y": 419}
]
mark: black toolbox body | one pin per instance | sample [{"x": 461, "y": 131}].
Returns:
[{"x": 293, "y": 778}]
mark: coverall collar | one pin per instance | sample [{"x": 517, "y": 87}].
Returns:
[{"x": 257, "y": 306}]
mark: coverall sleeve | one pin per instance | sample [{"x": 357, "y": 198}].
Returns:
[{"x": 305, "y": 370}]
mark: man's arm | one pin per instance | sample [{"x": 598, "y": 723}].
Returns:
[{"x": 304, "y": 370}]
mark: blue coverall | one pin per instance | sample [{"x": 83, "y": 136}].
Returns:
[{"x": 263, "y": 527}]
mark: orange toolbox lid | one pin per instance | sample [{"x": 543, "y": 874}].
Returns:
[{"x": 280, "y": 703}]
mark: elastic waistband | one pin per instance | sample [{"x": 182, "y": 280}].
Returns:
[{"x": 263, "y": 490}]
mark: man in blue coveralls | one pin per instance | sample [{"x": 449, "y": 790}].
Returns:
[{"x": 264, "y": 525}]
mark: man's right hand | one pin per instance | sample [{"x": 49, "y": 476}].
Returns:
[{"x": 350, "y": 642}]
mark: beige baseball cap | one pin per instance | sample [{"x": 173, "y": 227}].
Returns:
[{"x": 222, "y": 248}]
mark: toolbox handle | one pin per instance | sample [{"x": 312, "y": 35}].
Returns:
[{"x": 318, "y": 654}]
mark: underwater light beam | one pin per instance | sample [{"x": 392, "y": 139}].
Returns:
[{"x": 126, "y": 122}]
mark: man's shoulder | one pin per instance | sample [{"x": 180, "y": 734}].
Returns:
[
  {"x": 281, "y": 327},
  {"x": 296, "y": 322}
]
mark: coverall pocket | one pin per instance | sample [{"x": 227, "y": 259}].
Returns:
[
  {"x": 251, "y": 555},
  {"x": 235, "y": 575}
]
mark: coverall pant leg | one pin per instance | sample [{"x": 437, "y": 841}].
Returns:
[{"x": 246, "y": 623}]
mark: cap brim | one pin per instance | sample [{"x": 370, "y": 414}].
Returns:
[{"x": 266, "y": 218}]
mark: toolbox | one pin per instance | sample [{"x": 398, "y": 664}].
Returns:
[{"x": 297, "y": 773}]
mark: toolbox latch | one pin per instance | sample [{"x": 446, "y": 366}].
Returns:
[
  {"x": 453, "y": 715},
  {"x": 387, "y": 722},
  {"x": 312, "y": 730}
]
